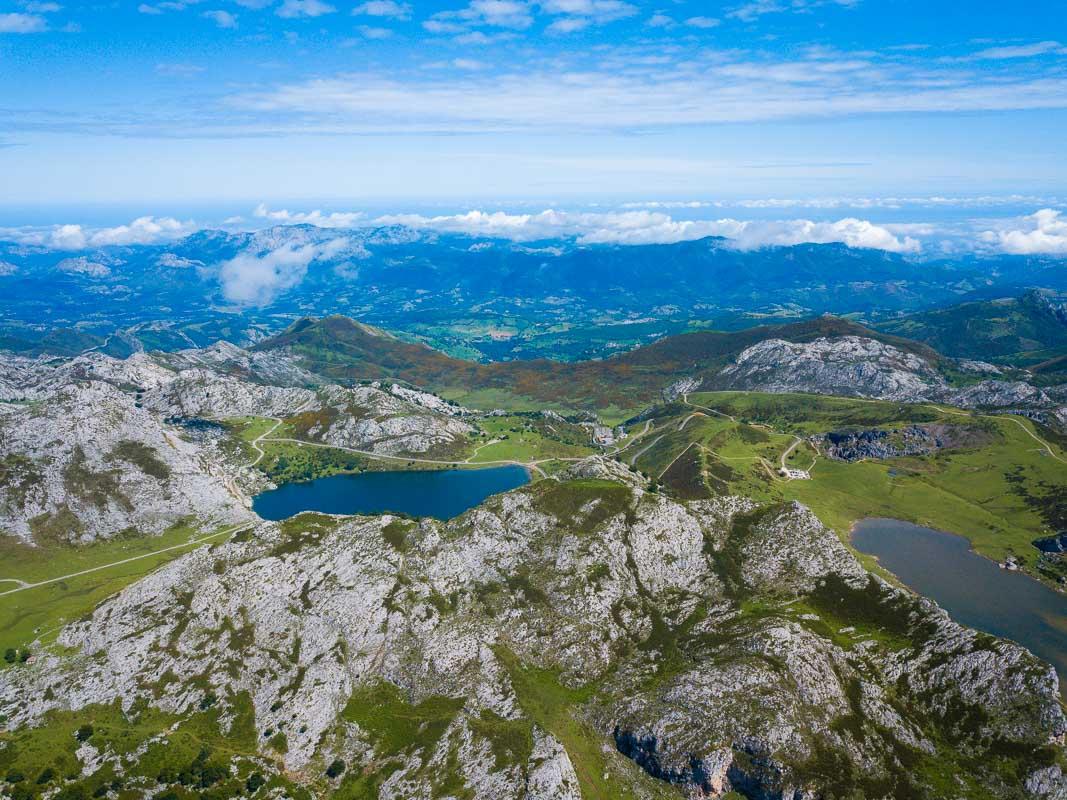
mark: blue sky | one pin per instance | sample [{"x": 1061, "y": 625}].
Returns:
[{"x": 165, "y": 106}]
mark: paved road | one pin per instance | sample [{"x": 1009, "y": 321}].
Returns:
[{"x": 534, "y": 465}]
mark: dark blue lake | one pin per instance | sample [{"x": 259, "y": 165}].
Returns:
[
  {"x": 443, "y": 494},
  {"x": 973, "y": 589}
]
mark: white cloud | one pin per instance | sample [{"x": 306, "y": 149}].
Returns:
[
  {"x": 68, "y": 237},
  {"x": 1021, "y": 51},
  {"x": 598, "y": 10},
  {"x": 223, "y": 19},
  {"x": 143, "y": 230},
  {"x": 669, "y": 204},
  {"x": 568, "y": 25},
  {"x": 257, "y": 278},
  {"x": 292, "y": 9},
  {"x": 374, "y": 32},
  {"x": 647, "y": 227},
  {"x": 337, "y": 219},
  {"x": 468, "y": 64},
  {"x": 850, "y": 231},
  {"x": 660, "y": 20},
  {"x": 22, "y": 23},
  {"x": 84, "y": 266},
  {"x": 703, "y": 23},
  {"x": 384, "y": 8},
  {"x": 513, "y": 14},
  {"x": 653, "y": 95},
  {"x": 7, "y": 268},
  {"x": 179, "y": 70},
  {"x": 580, "y": 14},
  {"x": 757, "y": 8},
  {"x": 1043, "y": 233}
]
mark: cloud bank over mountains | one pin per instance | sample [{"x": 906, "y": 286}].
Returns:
[
  {"x": 653, "y": 227},
  {"x": 143, "y": 230},
  {"x": 1041, "y": 233}
]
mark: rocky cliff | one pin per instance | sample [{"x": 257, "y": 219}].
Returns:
[
  {"x": 94, "y": 446},
  {"x": 580, "y": 637}
]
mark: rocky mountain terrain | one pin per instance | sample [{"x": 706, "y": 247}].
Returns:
[
  {"x": 94, "y": 446},
  {"x": 856, "y": 366},
  {"x": 585, "y": 636},
  {"x": 913, "y": 440},
  {"x": 578, "y": 637},
  {"x": 87, "y": 463}
]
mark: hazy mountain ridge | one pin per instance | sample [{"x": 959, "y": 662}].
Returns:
[
  {"x": 1025, "y": 330},
  {"x": 485, "y": 298}
]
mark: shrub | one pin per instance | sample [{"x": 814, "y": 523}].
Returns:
[
  {"x": 84, "y": 733},
  {"x": 335, "y": 769},
  {"x": 254, "y": 782}
]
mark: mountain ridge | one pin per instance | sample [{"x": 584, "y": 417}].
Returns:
[{"x": 344, "y": 349}]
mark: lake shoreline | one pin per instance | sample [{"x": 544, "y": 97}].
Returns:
[
  {"x": 943, "y": 567},
  {"x": 440, "y": 494}
]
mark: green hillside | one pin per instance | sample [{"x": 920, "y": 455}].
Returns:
[
  {"x": 1019, "y": 331},
  {"x": 344, "y": 350}
]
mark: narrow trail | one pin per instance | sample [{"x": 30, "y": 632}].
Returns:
[
  {"x": 192, "y": 542},
  {"x": 644, "y": 450},
  {"x": 797, "y": 441},
  {"x": 632, "y": 440},
  {"x": 1045, "y": 446},
  {"x": 685, "y": 399},
  {"x": 277, "y": 422},
  {"x": 478, "y": 449},
  {"x": 673, "y": 460},
  {"x": 260, "y": 438},
  {"x": 690, "y": 417}
]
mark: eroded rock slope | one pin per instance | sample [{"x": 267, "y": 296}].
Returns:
[{"x": 580, "y": 637}]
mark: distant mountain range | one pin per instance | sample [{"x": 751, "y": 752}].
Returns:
[{"x": 479, "y": 298}]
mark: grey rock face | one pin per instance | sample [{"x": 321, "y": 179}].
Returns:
[
  {"x": 89, "y": 463},
  {"x": 850, "y": 366},
  {"x": 93, "y": 446},
  {"x": 854, "y": 366}
]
